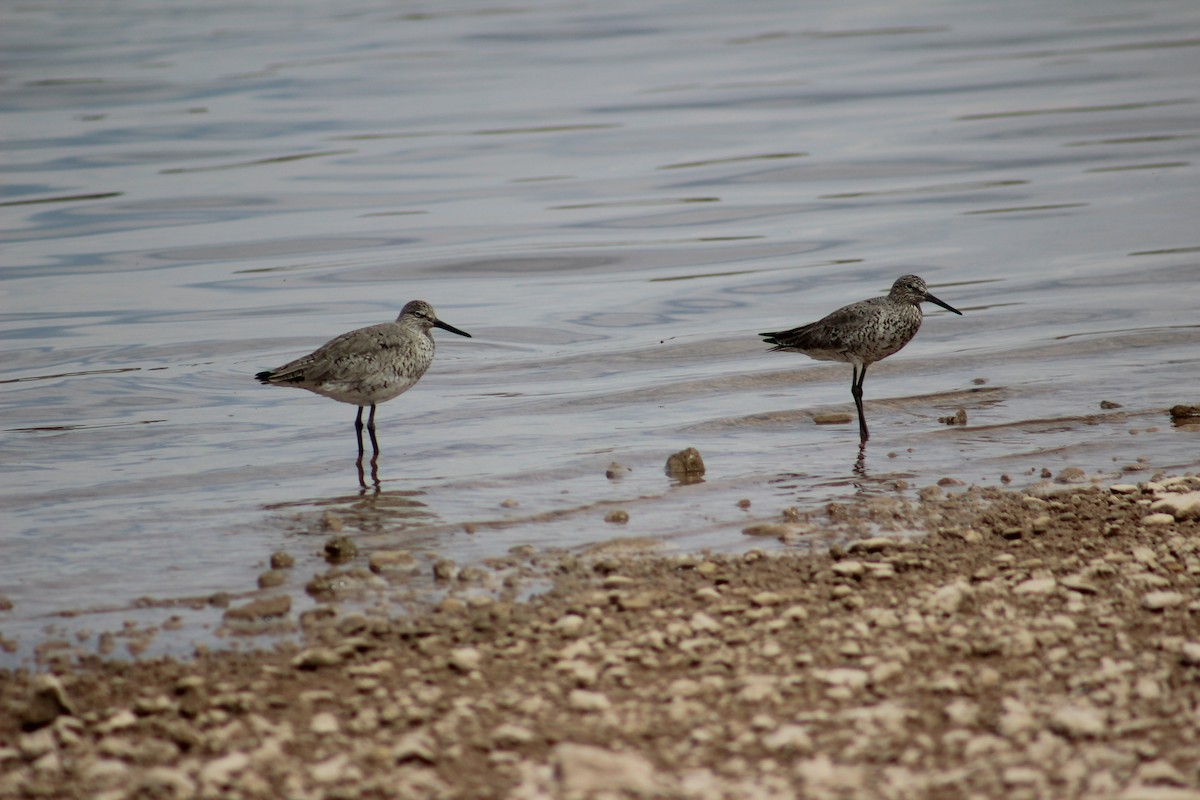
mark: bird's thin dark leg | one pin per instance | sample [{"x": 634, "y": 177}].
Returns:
[
  {"x": 358, "y": 426},
  {"x": 856, "y": 389},
  {"x": 371, "y": 430}
]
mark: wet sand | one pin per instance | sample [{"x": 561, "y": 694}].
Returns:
[{"x": 1041, "y": 643}]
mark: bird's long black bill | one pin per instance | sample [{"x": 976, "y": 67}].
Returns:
[
  {"x": 452, "y": 329},
  {"x": 946, "y": 306}
]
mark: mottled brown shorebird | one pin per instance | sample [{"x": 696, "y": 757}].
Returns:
[
  {"x": 367, "y": 366},
  {"x": 862, "y": 333}
]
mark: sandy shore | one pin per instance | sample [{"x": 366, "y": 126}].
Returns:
[{"x": 1031, "y": 645}]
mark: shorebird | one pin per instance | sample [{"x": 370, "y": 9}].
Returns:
[
  {"x": 862, "y": 333},
  {"x": 367, "y": 366}
]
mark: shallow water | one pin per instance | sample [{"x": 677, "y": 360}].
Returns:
[{"x": 613, "y": 200}]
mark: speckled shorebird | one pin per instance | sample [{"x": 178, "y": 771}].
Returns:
[
  {"x": 367, "y": 366},
  {"x": 862, "y": 333}
]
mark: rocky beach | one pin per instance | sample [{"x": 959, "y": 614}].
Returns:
[{"x": 1042, "y": 643}]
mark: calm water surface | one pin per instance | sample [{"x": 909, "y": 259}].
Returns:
[{"x": 613, "y": 198}]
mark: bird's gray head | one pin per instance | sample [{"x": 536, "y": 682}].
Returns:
[
  {"x": 422, "y": 315},
  {"x": 911, "y": 289}
]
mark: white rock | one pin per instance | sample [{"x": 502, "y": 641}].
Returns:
[
  {"x": 220, "y": 771},
  {"x": 790, "y": 738},
  {"x": 848, "y": 677},
  {"x": 1078, "y": 721},
  {"x": 703, "y": 623},
  {"x": 1016, "y": 718},
  {"x": 1179, "y": 506},
  {"x": 583, "y": 700},
  {"x": 849, "y": 569},
  {"x": 584, "y": 769},
  {"x": 465, "y": 659},
  {"x": 1191, "y": 653},
  {"x": 949, "y": 598},
  {"x": 758, "y": 688},
  {"x": 567, "y": 625},
  {"x": 330, "y": 770},
  {"x": 119, "y": 721},
  {"x": 873, "y": 545},
  {"x": 324, "y": 723},
  {"x": 415, "y": 745},
  {"x": 1158, "y": 519},
  {"x": 166, "y": 782},
  {"x": 1035, "y": 586},
  {"x": 1156, "y": 601},
  {"x": 509, "y": 735}
]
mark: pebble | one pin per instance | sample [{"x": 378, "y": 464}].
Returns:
[
  {"x": 570, "y": 624},
  {"x": 1157, "y": 601},
  {"x": 1035, "y": 586},
  {"x": 465, "y": 659},
  {"x": 316, "y": 658},
  {"x": 849, "y": 569},
  {"x": 220, "y": 771},
  {"x": 1078, "y": 721},
  {"x": 1179, "y": 506},
  {"x": 789, "y": 738},
  {"x": 875, "y": 544},
  {"x": 584, "y": 700},
  {"x": 323, "y": 723},
  {"x": 685, "y": 463},
  {"x": 587, "y": 769},
  {"x": 262, "y": 609}
]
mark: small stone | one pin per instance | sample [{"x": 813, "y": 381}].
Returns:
[
  {"x": 324, "y": 723},
  {"x": 1078, "y": 583},
  {"x": 1158, "y": 519},
  {"x": 382, "y": 561},
  {"x": 47, "y": 702},
  {"x": 415, "y": 745},
  {"x": 831, "y": 418},
  {"x": 583, "y": 700},
  {"x": 260, "y": 610},
  {"x": 444, "y": 569},
  {"x": 1124, "y": 488},
  {"x": 763, "y": 599},
  {"x": 617, "y": 517},
  {"x": 616, "y": 471},
  {"x": 1180, "y": 506},
  {"x": 465, "y": 659},
  {"x": 219, "y": 772},
  {"x": 316, "y": 658},
  {"x": 586, "y": 769},
  {"x": 340, "y": 549},
  {"x": 1035, "y": 586},
  {"x": 1078, "y": 721},
  {"x": 272, "y": 578},
  {"x": 331, "y": 770},
  {"x": 570, "y": 624},
  {"x": 873, "y": 545},
  {"x": 847, "y": 677},
  {"x": 1157, "y": 601},
  {"x": 686, "y": 464},
  {"x": 282, "y": 560},
  {"x": 788, "y": 738},
  {"x": 508, "y": 735},
  {"x": 849, "y": 569},
  {"x": 1071, "y": 475}
]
